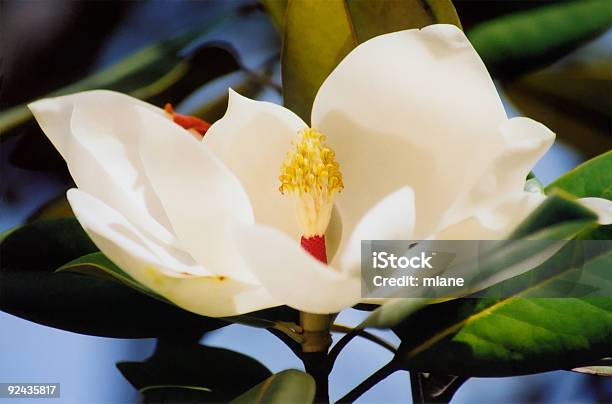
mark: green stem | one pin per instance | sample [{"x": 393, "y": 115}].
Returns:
[{"x": 315, "y": 345}]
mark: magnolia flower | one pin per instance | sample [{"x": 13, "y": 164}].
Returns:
[{"x": 408, "y": 140}]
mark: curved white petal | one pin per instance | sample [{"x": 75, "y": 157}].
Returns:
[
  {"x": 200, "y": 195},
  {"x": 491, "y": 222},
  {"x": 252, "y": 139},
  {"x": 291, "y": 275},
  {"x": 96, "y": 133},
  {"x": 408, "y": 108},
  {"x": 490, "y": 202},
  {"x": 601, "y": 206},
  {"x": 175, "y": 276},
  {"x": 392, "y": 218}
]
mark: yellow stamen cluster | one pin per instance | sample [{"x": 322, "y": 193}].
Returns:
[{"x": 312, "y": 175}]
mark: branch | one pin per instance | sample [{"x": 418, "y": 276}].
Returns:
[
  {"x": 370, "y": 382},
  {"x": 366, "y": 335}
]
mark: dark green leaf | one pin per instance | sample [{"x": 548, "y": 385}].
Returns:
[
  {"x": 289, "y": 386},
  {"x": 179, "y": 372},
  {"x": 45, "y": 245},
  {"x": 318, "y": 34},
  {"x": 590, "y": 179},
  {"x": 559, "y": 217},
  {"x": 98, "y": 265},
  {"x": 516, "y": 43}
]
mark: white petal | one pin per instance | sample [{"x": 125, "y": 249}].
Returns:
[
  {"x": 291, "y": 275},
  {"x": 493, "y": 221},
  {"x": 503, "y": 182},
  {"x": 200, "y": 195},
  {"x": 392, "y": 218},
  {"x": 97, "y": 134},
  {"x": 176, "y": 277},
  {"x": 601, "y": 206},
  {"x": 252, "y": 139},
  {"x": 410, "y": 108}
]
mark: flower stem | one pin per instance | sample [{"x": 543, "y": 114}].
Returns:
[
  {"x": 315, "y": 364},
  {"x": 315, "y": 344}
]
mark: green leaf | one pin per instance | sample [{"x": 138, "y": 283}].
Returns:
[
  {"x": 557, "y": 218},
  {"x": 87, "y": 305},
  {"x": 45, "y": 245},
  {"x": 98, "y": 265},
  {"x": 521, "y": 333},
  {"x": 288, "y": 386},
  {"x": 373, "y": 18},
  {"x": 180, "y": 372},
  {"x": 318, "y": 34},
  {"x": 164, "y": 72},
  {"x": 590, "y": 179},
  {"x": 519, "y": 42},
  {"x": 507, "y": 337}
]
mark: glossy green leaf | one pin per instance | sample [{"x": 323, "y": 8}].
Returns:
[
  {"x": 507, "y": 337},
  {"x": 318, "y": 34},
  {"x": 521, "y": 332},
  {"x": 558, "y": 218},
  {"x": 98, "y": 265},
  {"x": 590, "y": 179},
  {"x": 516, "y": 43},
  {"x": 188, "y": 372},
  {"x": 289, "y": 386},
  {"x": 164, "y": 72}
]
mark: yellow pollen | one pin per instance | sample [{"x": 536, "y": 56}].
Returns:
[{"x": 312, "y": 175}]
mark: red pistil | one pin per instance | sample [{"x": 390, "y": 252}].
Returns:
[
  {"x": 187, "y": 121},
  {"x": 315, "y": 246}
]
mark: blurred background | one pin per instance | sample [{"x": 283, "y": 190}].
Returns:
[{"x": 188, "y": 53}]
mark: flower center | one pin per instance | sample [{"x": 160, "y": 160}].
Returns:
[{"x": 311, "y": 175}]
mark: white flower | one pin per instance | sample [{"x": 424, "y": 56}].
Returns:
[{"x": 424, "y": 145}]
